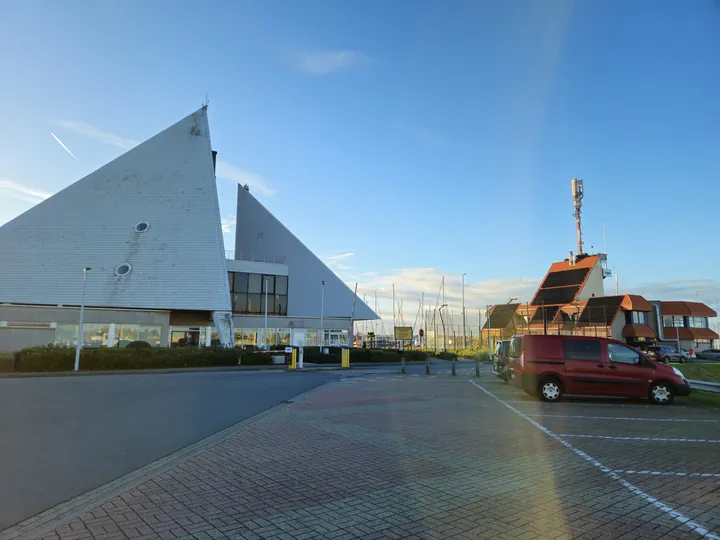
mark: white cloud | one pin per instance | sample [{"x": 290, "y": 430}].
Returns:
[
  {"x": 228, "y": 224},
  {"x": 340, "y": 256},
  {"x": 224, "y": 170},
  {"x": 230, "y": 173},
  {"x": 18, "y": 191},
  {"x": 91, "y": 132},
  {"x": 411, "y": 283},
  {"x": 326, "y": 62},
  {"x": 691, "y": 290}
]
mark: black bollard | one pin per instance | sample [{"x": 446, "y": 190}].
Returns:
[{"x": 453, "y": 366}]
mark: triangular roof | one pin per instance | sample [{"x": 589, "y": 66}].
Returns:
[
  {"x": 167, "y": 182},
  {"x": 262, "y": 235}
]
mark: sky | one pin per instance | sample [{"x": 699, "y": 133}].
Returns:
[{"x": 401, "y": 141}]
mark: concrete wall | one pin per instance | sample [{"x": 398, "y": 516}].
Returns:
[{"x": 14, "y": 339}]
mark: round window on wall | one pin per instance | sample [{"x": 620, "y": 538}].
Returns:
[
  {"x": 123, "y": 269},
  {"x": 142, "y": 226}
]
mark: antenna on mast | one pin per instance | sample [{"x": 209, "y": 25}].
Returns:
[{"x": 577, "y": 194}]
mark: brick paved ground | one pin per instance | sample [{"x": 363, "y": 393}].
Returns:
[{"x": 411, "y": 457}]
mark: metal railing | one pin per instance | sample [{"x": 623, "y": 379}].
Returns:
[
  {"x": 267, "y": 258},
  {"x": 705, "y": 386}
]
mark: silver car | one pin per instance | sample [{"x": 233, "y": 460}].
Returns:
[{"x": 709, "y": 354}]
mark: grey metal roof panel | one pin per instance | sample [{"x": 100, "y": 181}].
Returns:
[
  {"x": 178, "y": 263},
  {"x": 260, "y": 234}
]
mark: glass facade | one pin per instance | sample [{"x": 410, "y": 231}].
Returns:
[
  {"x": 670, "y": 321},
  {"x": 98, "y": 334},
  {"x": 248, "y": 292}
]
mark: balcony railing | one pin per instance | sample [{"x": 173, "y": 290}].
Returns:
[{"x": 267, "y": 258}]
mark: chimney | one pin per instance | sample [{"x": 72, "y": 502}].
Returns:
[
  {"x": 214, "y": 153},
  {"x": 572, "y": 259}
]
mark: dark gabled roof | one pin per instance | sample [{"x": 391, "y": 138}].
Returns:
[
  {"x": 600, "y": 310},
  {"x": 501, "y": 315}
]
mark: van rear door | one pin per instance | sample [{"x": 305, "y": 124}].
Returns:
[{"x": 584, "y": 366}]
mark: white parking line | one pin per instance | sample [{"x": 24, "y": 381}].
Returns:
[
  {"x": 618, "y": 438},
  {"x": 694, "y": 526},
  {"x": 624, "y": 418},
  {"x": 659, "y": 473},
  {"x": 573, "y": 403}
]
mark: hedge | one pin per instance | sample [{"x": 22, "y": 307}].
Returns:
[
  {"x": 55, "y": 359},
  {"x": 334, "y": 356}
]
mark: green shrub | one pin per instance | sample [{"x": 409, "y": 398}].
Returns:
[
  {"x": 446, "y": 355},
  {"x": 7, "y": 362},
  {"x": 138, "y": 345},
  {"x": 47, "y": 359}
]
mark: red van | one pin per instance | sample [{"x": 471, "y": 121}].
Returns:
[{"x": 555, "y": 365}]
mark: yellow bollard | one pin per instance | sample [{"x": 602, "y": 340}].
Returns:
[
  {"x": 293, "y": 359},
  {"x": 345, "y": 359}
]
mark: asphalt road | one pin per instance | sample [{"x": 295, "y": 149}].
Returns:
[{"x": 62, "y": 436}]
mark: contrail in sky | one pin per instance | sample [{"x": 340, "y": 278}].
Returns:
[{"x": 61, "y": 144}]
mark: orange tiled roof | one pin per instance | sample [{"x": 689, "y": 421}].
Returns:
[
  {"x": 587, "y": 262},
  {"x": 638, "y": 330},
  {"x": 635, "y": 302},
  {"x": 689, "y": 333},
  {"x": 695, "y": 309}
]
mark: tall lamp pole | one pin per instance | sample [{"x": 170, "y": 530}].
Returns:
[
  {"x": 78, "y": 345},
  {"x": 463, "y": 311},
  {"x": 322, "y": 309}
]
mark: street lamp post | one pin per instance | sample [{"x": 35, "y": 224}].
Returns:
[
  {"x": 322, "y": 309},
  {"x": 78, "y": 345},
  {"x": 463, "y": 311}
]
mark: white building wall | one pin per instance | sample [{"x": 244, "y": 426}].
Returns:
[
  {"x": 594, "y": 285},
  {"x": 178, "y": 263}
]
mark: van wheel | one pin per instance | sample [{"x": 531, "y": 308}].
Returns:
[
  {"x": 550, "y": 389},
  {"x": 662, "y": 393}
]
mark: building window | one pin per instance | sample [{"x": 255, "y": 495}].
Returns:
[
  {"x": 65, "y": 335},
  {"x": 150, "y": 333},
  {"x": 248, "y": 293},
  {"x": 676, "y": 321},
  {"x": 639, "y": 317},
  {"x": 697, "y": 322},
  {"x": 126, "y": 333}
]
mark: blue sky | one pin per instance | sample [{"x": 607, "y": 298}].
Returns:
[{"x": 424, "y": 138}]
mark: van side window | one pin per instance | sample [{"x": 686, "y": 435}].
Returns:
[
  {"x": 582, "y": 349},
  {"x": 619, "y": 354},
  {"x": 515, "y": 347}
]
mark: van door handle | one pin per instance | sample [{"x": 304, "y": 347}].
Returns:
[
  {"x": 601, "y": 365},
  {"x": 612, "y": 366}
]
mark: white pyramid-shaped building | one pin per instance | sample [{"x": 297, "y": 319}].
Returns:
[
  {"x": 261, "y": 235},
  {"x": 148, "y": 226},
  {"x": 147, "y": 223}
]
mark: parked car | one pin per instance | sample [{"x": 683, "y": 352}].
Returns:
[
  {"x": 555, "y": 365},
  {"x": 666, "y": 354},
  {"x": 709, "y": 354},
  {"x": 500, "y": 364}
]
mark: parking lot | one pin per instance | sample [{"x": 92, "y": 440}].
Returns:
[{"x": 385, "y": 455}]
